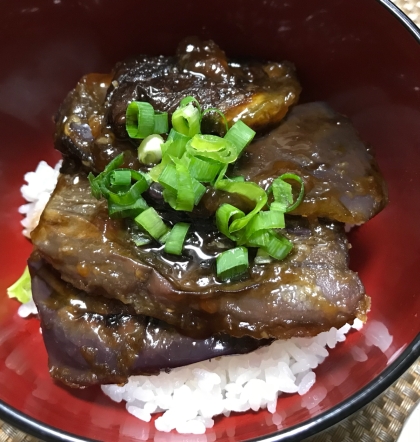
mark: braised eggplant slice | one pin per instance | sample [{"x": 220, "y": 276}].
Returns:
[
  {"x": 81, "y": 133},
  {"x": 308, "y": 292},
  {"x": 257, "y": 93},
  {"x": 93, "y": 340},
  {"x": 342, "y": 180},
  {"x": 90, "y": 124}
]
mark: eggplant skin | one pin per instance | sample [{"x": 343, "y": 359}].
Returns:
[
  {"x": 94, "y": 340},
  {"x": 342, "y": 178},
  {"x": 310, "y": 291}
]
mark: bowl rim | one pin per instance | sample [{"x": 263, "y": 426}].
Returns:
[{"x": 298, "y": 432}]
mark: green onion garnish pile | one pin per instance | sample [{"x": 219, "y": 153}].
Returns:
[{"x": 184, "y": 165}]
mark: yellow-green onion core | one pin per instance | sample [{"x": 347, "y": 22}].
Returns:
[{"x": 150, "y": 149}]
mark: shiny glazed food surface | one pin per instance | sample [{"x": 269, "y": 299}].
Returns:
[
  {"x": 324, "y": 39},
  {"x": 310, "y": 291},
  {"x": 94, "y": 340}
]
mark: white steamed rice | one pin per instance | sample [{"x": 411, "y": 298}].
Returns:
[
  {"x": 37, "y": 192},
  {"x": 191, "y": 396}
]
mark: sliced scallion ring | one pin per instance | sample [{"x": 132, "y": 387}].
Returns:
[
  {"x": 160, "y": 123},
  {"x": 152, "y": 223},
  {"x": 186, "y": 120},
  {"x": 277, "y": 246},
  {"x": 116, "y": 210},
  {"x": 175, "y": 241},
  {"x": 225, "y": 214},
  {"x": 232, "y": 263},
  {"x": 139, "y": 119},
  {"x": 283, "y": 195},
  {"x": 204, "y": 170},
  {"x": 185, "y": 192},
  {"x": 248, "y": 190},
  {"x": 218, "y": 111},
  {"x": 212, "y": 147},
  {"x": 95, "y": 182},
  {"x": 266, "y": 220},
  {"x": 120, "y": 177},
  {"x": 262, "y": 257},
  {"x": 187, "y": 100},
  {"x": 240, "y": 135}
]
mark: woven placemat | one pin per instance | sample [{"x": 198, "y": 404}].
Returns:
[
  {"x": 379, "y": 421},
  {"x": 383, "y": 418}
]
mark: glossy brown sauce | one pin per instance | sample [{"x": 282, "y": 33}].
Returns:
[{"x": 97, "y": 254}]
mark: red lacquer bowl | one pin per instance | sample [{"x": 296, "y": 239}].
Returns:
[{"x": 361, "y": 56}]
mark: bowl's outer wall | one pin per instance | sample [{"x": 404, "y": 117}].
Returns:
[{"x": 353, "y": 54}]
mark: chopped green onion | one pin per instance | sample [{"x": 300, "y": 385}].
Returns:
[
  {"x": 238, "y": 179},
  {"x": 173, "y": 147},
  {"x": 139, "y": 119},
  {"x": 213, "y": 147},
  {"x": 175, "y": 144},
  {"x": 120, "y": 177},
  {"x": 21, "y": 289},
  {"x": 188, "y": 100},
  {"x": 95, "y": 182},
  {"x": 277, "y": 246},
  {"x": 169, "y": 195},
  {"x": 176, "y": 238},
  {"x": 204, "y": 170},
  {"x": 186, "y": 120},
  {"x": 168, "y": 177},
  {"x": 116, "y": 210},
  {"x": 156, "y": 171},
  {"x": 249, "y": 190},
  {"x": 140, "y": 239},
  {"x": 232, "y": 263},
  {"x": 150, "y": 149},
  {"x": 213, "y": 109},
  {"x": 292, "y": 176},
  {"x": 185, "y": 161},
  {"x": 282, "y": 193},
  {"x": 114, "y": 164},
  {"x": 265, "y": 221},
  {"x": 221, "y": 176},
  {"x": 262, "y": 257},
  {"x": 126, "y": 195},
  {"x": 185, "y": 192},
  {"x": 225, "y": 214},
  {"x": 161, "y": 123},
  {"x": 240, "y": 135},
  {"x": 152, "y": 223},
  {"x": 199, "y": 190},
  {"x": 182, "y": 191},
  {"x": 94, "y": 186},
  {"x": 164, "y": 237},
  {"x": 207, "y": 143}
]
